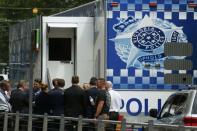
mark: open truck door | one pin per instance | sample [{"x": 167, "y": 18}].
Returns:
[{"x": 68, "y": 48}]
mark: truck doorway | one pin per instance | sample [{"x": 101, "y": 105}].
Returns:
[{"x": 61, "y": 51}]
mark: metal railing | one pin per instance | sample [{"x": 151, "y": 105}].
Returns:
[{"x": 20, "y": 122}]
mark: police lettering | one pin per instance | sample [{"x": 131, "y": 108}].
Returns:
[{"x": 139, "y": 106}]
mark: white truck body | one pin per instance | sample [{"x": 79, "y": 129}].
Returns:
[{"x": 80, "y": 31}]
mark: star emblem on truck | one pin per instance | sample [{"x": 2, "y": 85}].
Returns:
[{"x": 142, "y": 41}]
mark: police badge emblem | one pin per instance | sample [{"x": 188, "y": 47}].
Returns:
[
  {"x": 140, "y": 42},
  {"x": 148, "y": 38}
]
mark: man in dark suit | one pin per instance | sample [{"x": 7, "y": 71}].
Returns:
[
  {"x": 19, "y": 98},
  {"x": 56, "y": 102},
  {"x": 42, "y": 101},
  {"x": 74, "y": 102},
  {"x": 56, "y": 97},
  {"x": 74, "y": 99}
]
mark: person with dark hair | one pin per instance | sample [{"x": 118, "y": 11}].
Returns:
[
  {"x": 56, "y": 97},
  {"x": 19, "y": 98},
  {"x": 61, "y": 83},
  {"x": 41, "y": 101},
  {"x": 75, "y": 79},
  {"x": 36, "y": 90},
  {"x": 41, "y": 106},
  {"x": 56, "y": 102},
  {"x": 36, "y": 86},
  {"x": 103, "y": 100},
  {"x": 74, "y": 101},
  {"x": 4, "y": 100},
  {"x": 55, "y": 82},
  {"x": 91, "y": 95},
  {"x": 93, "y": 81}
]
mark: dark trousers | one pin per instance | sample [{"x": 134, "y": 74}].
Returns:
[
  {"x": 114, "y": 117},
  {"x": 71, "y": 126}
]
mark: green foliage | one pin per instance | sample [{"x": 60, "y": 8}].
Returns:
[{"x": 15, "y": 10}]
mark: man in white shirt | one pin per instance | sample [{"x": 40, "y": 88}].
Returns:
[{"x": 116, "y": 103}]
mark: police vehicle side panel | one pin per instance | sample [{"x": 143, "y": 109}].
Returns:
[{"x": 136, "y": 36}]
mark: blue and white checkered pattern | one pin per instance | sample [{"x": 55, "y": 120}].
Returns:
[
  {"x": 133, "y": 78},
  {"x": 166, "y": 9},
  {"x": 143, "y": 79}
]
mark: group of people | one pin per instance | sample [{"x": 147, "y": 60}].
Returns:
[{"x": 93, "y": 100}]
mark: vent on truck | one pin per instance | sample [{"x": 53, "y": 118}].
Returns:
[
  {"x": 178, "y": 49},
  {"x": 176, "y": 54},
  {"x": 180, "y": 64},
  {"x": 178, "y": 79}
]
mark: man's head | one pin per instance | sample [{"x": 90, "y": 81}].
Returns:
[
  {"x": 108, "y": 85},
  {"x": 75, "y": 80},
  {"x": 101, "y": 84},
  {"x": 55, "y": 82},
  {"x": 23, "y": 85},
  {"x": 44, "y": 87},
  {"x": 93, "y": 81},
  {"x": 38, "y": 81},
  {"x": 37, "y": 84},
  {"x": 5, "y": 85},
  {"x": 61, "y": 83}
]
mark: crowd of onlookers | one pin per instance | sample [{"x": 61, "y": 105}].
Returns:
[{"x": 91, "y": 100}]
